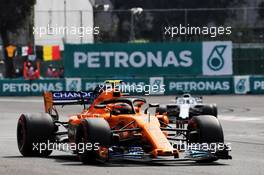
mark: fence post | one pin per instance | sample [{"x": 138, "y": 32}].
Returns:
[
  {"x": 185, "y": 17},
  {"x": 81, "y": 25},
  {"x": 245, "y": 16},
  {"x": 65, "y": 21},
  {"x": 185, "y": 20}
]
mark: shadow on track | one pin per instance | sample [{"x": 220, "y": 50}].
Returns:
[{"x": 72, "y": 160}]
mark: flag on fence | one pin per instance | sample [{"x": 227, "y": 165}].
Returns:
[
  {"x": 56, "y": 53},
  {"x": 51, "y": 53},
  {"x": 11, "y": 51},
  {"x": 24, "y": 51},
  {"x": 39, "y": 52},
  {"x": 47, "y": 53}
]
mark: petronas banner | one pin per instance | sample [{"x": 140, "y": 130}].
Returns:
[
  {"x": 148, "y": 59},
  {"x": 157, "y": 85},
  {"x": 20, "y": 87}
]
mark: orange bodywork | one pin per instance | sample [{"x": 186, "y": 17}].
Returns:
[{"x": 149, "y": 124}]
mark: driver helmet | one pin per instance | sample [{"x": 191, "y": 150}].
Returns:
[{"x": 123, "y": 108}]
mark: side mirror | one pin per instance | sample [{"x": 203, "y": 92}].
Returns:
[{"x": 100, "y": 106}]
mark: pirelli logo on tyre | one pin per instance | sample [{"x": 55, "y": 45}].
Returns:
[{"x": 217, "y": 58}]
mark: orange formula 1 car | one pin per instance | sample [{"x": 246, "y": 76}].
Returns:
[{"x": 112, "y": 126}]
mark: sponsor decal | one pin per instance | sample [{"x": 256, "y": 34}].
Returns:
[
  {"x": 258, "y": 85},
  {"x": 31, "y": 87},
  {"x": 148, "y": 59},
  {"x": 217, "y": 58},
  {"x": 185, "y": 86},
  {"x": 72, "y": 95},
  {"x": 135, "y": 59},
  {"x": 241, "y": 84},
  {"x": 92, "y": 85},
  {"x": 73, "y": 84},
  {"x": 159, "y": 83}
]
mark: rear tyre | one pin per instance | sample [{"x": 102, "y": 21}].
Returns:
[
  {"x": 210, "y": 110},
  {"x": 35, "y": 131},
  {"x": 96, "y": 133},
  {"x": 205, "y": 129}
]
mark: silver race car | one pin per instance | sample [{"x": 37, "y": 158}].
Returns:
[
  {"x": 191, "y": 122},
  {"x": 185, "y": 107}
]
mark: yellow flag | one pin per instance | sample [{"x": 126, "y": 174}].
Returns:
[
  {"x": 47, "y": 53},
  {"x": 10, "y": 51}
]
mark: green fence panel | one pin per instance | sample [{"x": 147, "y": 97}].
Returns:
[
  {"x": 248, "y": 61},
  {"x": 257, "y": 84}
]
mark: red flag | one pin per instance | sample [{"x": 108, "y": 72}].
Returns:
[{"x": 56, "y": 53}]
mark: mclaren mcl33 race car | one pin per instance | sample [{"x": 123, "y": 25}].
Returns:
[{"x": 114, "y": 126}]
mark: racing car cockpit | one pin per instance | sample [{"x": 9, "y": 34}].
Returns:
[
  {"x": 121, "y": 108},
  {"x": 124, "y": 105},
  {"x": 188, "y": 99}
]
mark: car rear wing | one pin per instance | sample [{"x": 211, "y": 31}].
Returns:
[{"x": 67, "y": 98}]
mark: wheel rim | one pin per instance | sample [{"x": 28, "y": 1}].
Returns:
[{"x": 103, "y": 153}]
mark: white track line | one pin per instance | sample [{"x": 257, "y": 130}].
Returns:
[
  {"x": 24, "y": 100},
  {"x": 7, "y": 139},
  {"x": 240, "y": 119}
]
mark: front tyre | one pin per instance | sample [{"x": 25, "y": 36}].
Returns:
[
  {"x": 93, "y": 132},
  {"x": 205, "y": 129},
  {"x": 34, "y": 130}
]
